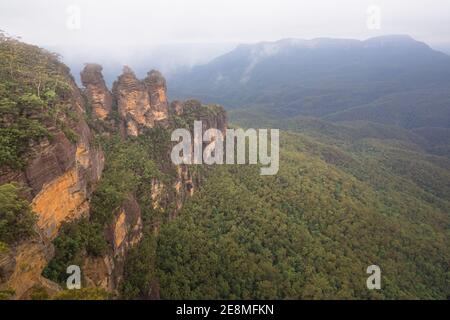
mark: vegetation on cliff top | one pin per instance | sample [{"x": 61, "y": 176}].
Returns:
[{"x": 33, "y": 99}]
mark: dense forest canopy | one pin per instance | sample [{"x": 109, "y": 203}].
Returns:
[{"x": 311, "y": 231}]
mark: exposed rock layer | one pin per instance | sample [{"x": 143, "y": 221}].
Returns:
[
  {"x": 60, "y": 175},
  {"x": 141, "y": 104},
  {"x": 124, "y": 233},
  {"x": 97, "y": 93}
]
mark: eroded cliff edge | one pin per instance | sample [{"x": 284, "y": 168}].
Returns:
[
  {"x": 62, "y": 175},
  {"x": 142, "y": 115},
  {"x": 59, "y": 169}
]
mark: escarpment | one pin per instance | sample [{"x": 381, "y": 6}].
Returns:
[
  {"x": 110, "y": 188},
  {"x": 145, "y": 114},
  {"x": 123, "y": 233},
  {"x": 58, "y": 173}
]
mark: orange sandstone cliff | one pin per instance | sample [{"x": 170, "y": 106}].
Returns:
[{"x": 61, "y": 175}]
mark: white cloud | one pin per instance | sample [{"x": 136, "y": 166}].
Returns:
[{"x": 132, "y": 22}]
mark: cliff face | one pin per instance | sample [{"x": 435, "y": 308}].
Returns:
[
  {"x": 157, "y": 91},
  {"x": 97, "y": 93},
  {"x": 123, "y": 233},
  {"x": 187, "y": 181},
  {"x": 141, "y": 104},
  {"x": 59, "y": 174}
]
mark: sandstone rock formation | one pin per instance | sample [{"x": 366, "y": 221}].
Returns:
[
  {"x": 157, "y": 91},
  {"x": 124, "y": 233},
  {"x": 141, "y": 104},
  {"x": 216, "y": 120},
  {"x": 60, "y": 175},
  {"x": 176, "y": 107},
  {"x": 97, "y": 93}
]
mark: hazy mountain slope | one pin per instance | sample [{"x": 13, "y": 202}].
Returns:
[
  {"x": 411, "y": 109},
  {"x": 321, "y": 77},
  {"x": 382, "y": 148}
]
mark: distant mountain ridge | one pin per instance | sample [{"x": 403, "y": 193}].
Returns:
[{"x": 333, "y": 78}]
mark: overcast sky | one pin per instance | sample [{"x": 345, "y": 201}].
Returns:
[
  {"x": 168, "y": 34},
  {"x": 150, "y": 22}
]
